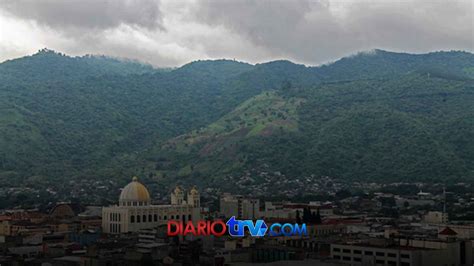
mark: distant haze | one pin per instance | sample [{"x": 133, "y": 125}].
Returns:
[{"x": 171, "y": 33}]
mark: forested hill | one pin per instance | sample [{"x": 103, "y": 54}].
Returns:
[
  {"x": 376, "y": 115},
  {"x": 48, "y": 65},
  {"x": 379, "y": 63}
]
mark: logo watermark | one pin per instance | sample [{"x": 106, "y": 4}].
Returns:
[{"x": 235, "y": 228}]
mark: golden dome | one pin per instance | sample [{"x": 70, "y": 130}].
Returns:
[{"x": 134, "y": 192}]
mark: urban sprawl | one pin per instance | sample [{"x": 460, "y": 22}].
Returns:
[{"x": 404, "y": 224}]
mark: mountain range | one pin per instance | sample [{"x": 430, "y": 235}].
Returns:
[{"x": 377, "y": 115}]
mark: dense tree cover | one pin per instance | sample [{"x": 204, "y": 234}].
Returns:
[
  {"x": 96, "y": 123},
  {"x": 371, "y": 116},
  {"x": 47, "y": 65},
  {"x": 415, "y": 127}
]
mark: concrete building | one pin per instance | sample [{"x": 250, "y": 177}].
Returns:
[
  {"x": 462, "y": 231},
  {"x": 240, "y": 207},
  {"x": 135, "y": 211},
  {"x": 288, "y": 210},
  {"x": 404, "y": 253},
  {"x": 435, "y": 217}
]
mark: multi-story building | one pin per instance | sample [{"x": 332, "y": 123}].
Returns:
[
  {"x": 404, "y": 253},
  {"x": 435, "y": 217},
  {"x": 240, "y": 207},
  {"x": 288, "y": 210}
]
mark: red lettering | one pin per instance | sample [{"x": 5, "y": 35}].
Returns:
[
  {"x": 189, "y": 229},
  {"x": 178, "y": 226},
  {"x": 213, "y": 228},
  {"x": 201, "y": 229},
  {"x": 204, "y": 228}
]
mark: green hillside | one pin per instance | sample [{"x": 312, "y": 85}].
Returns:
[
  {"x": 373, "y": 116},
  {"x": 413, "y": 128},
  {"x": 202, "y": 150}
]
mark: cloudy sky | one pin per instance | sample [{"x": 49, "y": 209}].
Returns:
[{"x": 174, "y": 32}]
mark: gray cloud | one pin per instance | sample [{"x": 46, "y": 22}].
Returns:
[
  {"x": 86, "y": 14},
  {"x": 170, "y": 32},
  {"x": 317, "y": 31}
]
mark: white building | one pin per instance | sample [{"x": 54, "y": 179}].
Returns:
[{"x": 135, "y": 211}]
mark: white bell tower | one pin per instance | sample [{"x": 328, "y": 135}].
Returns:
[
  {"x": 177, "y": 196},
  {"x": 193, "y": 198}
]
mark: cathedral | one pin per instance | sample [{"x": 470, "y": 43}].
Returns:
[{"x": 135, "y": 211}]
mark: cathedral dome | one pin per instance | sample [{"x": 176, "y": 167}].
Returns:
[{"x": 134, "y": 192}]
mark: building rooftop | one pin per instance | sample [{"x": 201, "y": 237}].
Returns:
[{"x": 448, "y": 232}]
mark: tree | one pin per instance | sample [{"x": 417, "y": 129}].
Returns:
[
  {"x": 306, "y": 215},
  {"x": 342, "y": 194},
  {"x": 286, "y": 86},
  {"x": 317, "y": 217},
  {"x": 298, "y": 218}
]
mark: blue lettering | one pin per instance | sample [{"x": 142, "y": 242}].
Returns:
[
  {"x": 235, "y": 227},
  {"x": 286, "y": 232},
  {"x": 272, "y": 230},
  {"x": 300, "y": 231},
  {"x": 259, "y": 229}
]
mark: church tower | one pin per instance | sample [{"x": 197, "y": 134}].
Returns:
[
  {"x": 193, "y": 198},
  {"x": 177, "y": 196}
]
